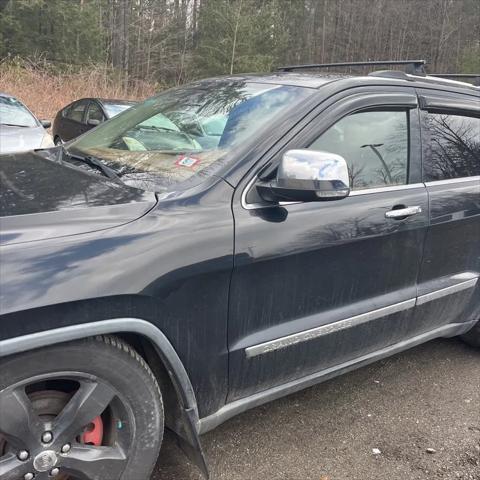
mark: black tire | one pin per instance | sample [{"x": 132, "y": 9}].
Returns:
[
  {"x": 132, "y": 422},
  {"x": 472, "y": 337}
]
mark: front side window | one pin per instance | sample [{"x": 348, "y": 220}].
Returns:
[
  {"x": 76, "y": 111},
  {"x": 14, "y": 113},
  {"x": 374, "y": 145},
  {"x": 186, "y": 133},
  {"x": 451, "y": 146}
]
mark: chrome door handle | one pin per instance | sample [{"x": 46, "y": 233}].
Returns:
[{"x": 403, "y": 212}]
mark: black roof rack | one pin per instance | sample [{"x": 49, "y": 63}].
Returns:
[
  {"x": 413, "y": 67},
  {"x": 473, "y": 78},
  {"x": 455, "y": 75}
]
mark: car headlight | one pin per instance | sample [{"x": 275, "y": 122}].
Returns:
[{"x": 47, "y": 141}]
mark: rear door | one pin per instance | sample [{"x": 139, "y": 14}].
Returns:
[
  {"x": 74, "y": 121},
  {"x": 318, "y": 285},
  {"x": 448, "y": 283}
]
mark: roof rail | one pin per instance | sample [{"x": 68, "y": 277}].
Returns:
[
  {"x": 436, "y": 78},
  {"x": 455, "y": 75},
  {"x": 473, "y": 78},
  {"x": 413, "y": 67}
]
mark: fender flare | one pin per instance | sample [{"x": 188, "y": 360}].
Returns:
[
  {"x": 164, "y": 348},
  {"x": 172, "y": 362}
]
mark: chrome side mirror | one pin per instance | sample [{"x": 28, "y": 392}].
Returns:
[{"x": 308, "y": 176}]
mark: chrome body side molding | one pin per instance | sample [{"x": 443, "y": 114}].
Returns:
[
  {"x": 459, "y": 287},
  {"x": 467, "y": 280},
  {"x": 312, "y": 333},
  {"x": 453, "y": 181},
  {"x": 232, "y": 409},
  {"x": 353, "y": 193},
  {"x": 388, "y": 188}
]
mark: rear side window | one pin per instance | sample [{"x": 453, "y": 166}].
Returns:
[
  {"x": 374, "y": 144},
  {"x": 76, "y": 111},
  {"x": 94, "y": 112},
  {"x": 451, "y": 146}
]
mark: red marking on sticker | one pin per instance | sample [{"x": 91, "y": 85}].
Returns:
[{"x": 187, "y": 161}]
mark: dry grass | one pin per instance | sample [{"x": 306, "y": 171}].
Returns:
[{"x": 45, "y": 91}]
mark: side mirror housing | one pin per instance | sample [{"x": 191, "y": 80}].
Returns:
[
  {"x": 308, "y": 176},
  {"x": 46, "y": 123},
  {"x": 93, "y": 122}
]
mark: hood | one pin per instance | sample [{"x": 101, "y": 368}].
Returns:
[
  {"x": 20, "y": 139},
  {"x": 42, "y": 198}
]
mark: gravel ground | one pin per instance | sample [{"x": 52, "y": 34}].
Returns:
[{"x": 425, "y": 398}]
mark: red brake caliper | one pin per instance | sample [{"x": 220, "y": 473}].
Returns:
[{"x": 94, "y": 433}]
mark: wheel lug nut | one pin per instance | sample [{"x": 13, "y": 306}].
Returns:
[
  {"x": 23, "y": 455},
  {"x": 47, "y": 437},
  {"x": 66, "y": 448},
  {"x": 54, "y": 472},
  {"x": 28, "y": 476}
]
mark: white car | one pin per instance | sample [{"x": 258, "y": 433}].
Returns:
[{"x": 20, "y": 130}]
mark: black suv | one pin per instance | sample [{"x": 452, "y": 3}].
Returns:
[{"x": 224, "y": 244}]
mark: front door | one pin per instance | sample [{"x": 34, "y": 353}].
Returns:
[
  {"x": 319, "y": 284},
  {"x": 95, "y": 113}
]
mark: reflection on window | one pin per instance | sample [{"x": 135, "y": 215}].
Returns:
[
  {"x": 114, "y": 109},
  {"x": 12, "y": 112},
  {"x": 374, "y": 144},
  {"x": 452, "y": 147},
  {"x": 187, "y": 132}
]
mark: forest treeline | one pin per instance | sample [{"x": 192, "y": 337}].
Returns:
[{"x": 172, "y": 41}]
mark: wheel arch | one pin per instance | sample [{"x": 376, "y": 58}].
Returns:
[{"x": 159, "y": 354}]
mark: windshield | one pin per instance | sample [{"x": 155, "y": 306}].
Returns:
[
  {"x": 113, "y": 109},
  {"x": 12, "y": 112},
  {"x": 185, "y": 133}
]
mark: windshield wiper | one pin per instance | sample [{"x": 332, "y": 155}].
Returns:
[
  {"x": 14, "y": 125},
  {"x": 95, "y": 163},
  {"x": 155, "y": 127}
]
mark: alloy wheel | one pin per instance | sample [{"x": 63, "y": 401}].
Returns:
[{"x": 64, "y": 426}]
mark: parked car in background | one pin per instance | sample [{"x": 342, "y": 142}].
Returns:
[
  {"x": 20, "y": 130},
  {"x": 83, "y": 115}
]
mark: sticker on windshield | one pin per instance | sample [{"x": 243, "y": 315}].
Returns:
[{"x": 187, "y": 161}]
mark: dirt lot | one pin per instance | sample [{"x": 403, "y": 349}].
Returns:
[{"x": 426, "y": 398}]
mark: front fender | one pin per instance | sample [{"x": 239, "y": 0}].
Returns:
[{"x": 164, "y": 349}]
